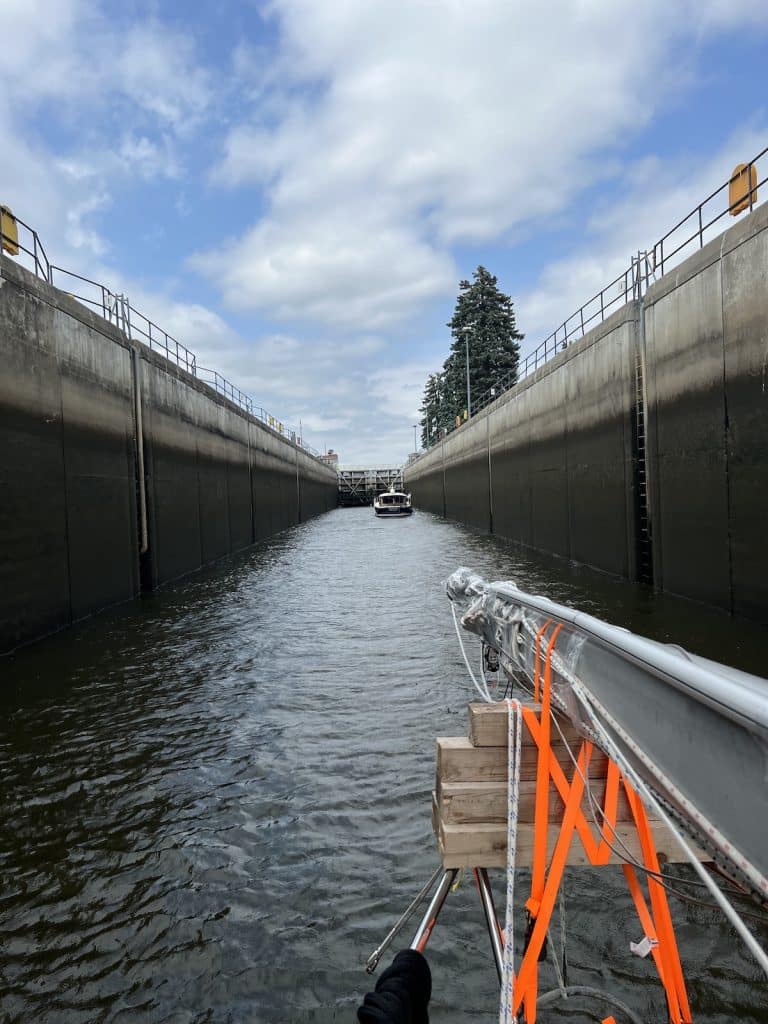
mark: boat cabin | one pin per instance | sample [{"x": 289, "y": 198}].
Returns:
[{"x": 393, "y": 503}]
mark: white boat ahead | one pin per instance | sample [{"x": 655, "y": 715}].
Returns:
[{"x": 392, "y": 503}]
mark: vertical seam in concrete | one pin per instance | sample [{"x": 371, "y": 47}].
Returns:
[
  {"x": 298, "y": 489},
  {"x": 726, "y": 430},
  {"x": 66, "y": 492},
  {"x": 490, "y": 480},
  {"x": 139, "y": 430},
  {"x": 567, "y": 478},
  {"x": 140, "y": 495},
  {"x": 250, "y": 483},
  {"x": 445, "y": 499},
  {"x": 200, "y": 507}
]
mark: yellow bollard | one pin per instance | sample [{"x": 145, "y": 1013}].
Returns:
[
  {"x": 743, "y": 182},
  {"x": 9, "y": 230}
]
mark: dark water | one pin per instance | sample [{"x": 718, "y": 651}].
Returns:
[{"x": 215, "y": 801}]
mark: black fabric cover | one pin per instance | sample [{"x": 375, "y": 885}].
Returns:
[{"x": 402, "y": 992}]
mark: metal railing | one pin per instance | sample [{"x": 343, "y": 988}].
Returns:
[
  {"x": 224, "y": 387},
  {"x": 26, "y": 244},
  {"x": 690, "y": 233},
  {"x": 693, "y": 227},
  {"x": 116, "y": 309}
]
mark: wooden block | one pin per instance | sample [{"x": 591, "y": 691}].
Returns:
[
  {"x": 469, "y": 803},
  {"x": 462, "y": 803},
  {"x": 459, "y": 761},
  {"x": 485, "y": 845},
  {"x": 489, "y": 725}
]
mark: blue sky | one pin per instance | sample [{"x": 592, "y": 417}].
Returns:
[{"x": 294, "y": 189}]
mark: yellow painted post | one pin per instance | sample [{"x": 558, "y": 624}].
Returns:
[
  {"x": 742, "y": 188},
  {"x": 9, "y": 230}
]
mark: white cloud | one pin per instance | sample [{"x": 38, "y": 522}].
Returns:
[
  {"x": 39, "y": 49},
  {"x": 658, "y": 194},
  {"x": 156, "y": 69},
  {"x": 398, "y": 390},
  {"x": 324, "y": 424},
  {"x": 77, "y": 234},
  {"x": 123, "y": 96},
  {"x": 404, "y": 128},
  {"x": 355, "y": 269},
  {"x": 72, "y": 49},
  {"x": 140, "y": 155}
]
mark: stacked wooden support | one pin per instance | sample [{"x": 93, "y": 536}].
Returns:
[{"x": 469, "y": 803}]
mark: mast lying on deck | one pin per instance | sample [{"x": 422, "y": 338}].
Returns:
[{"x": 694, "y": 731}]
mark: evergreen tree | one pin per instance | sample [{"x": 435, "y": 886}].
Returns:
[
  {"x": 488, "y": 316},
  {"x": 433, "y": 416}
]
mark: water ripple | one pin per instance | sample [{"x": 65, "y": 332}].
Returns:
[{"x": 215, "y": 801}]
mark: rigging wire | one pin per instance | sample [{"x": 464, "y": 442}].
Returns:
[
  {"x": 735, "y": 917},
  {"x": 730, "y": 912},
  {"x": 732, "y": 890},
  {"x": 513, "y": 766},
  {"x": 629, "y": 858}
]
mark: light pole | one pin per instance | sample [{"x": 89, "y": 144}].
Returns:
[
  {"x": 466, "y": 331},
  {"x": 415, "y": 428}
]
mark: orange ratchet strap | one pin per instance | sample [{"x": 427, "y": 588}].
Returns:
[{"x": 545, "y": 883}]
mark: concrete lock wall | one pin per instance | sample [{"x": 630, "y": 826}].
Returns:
[
  {"x": 559, "y": 469},
  {"x": 215, "y": 479},
  {"x": 706, "y": 338},
  {"x": 549, "y": 464}
]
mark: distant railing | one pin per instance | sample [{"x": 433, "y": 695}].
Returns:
[
  {"x": 215, "y": 380},
  {"x": 689, "y": 233},
  {"x": 118, "y": 310}
]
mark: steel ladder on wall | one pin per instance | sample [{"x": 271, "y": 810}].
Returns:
[{"x": 644, "y": 555}]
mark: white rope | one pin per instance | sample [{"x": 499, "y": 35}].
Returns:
[
  {"x": 483, "y": 691},
  {"x": 587, "y": 699},
  {"x": 514, "y": 746}
]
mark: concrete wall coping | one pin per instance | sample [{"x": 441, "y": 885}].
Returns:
[
  {"x": 59, "y": 299},
  {"x": 64, "y": 302},
  {"x": 627, "y": 313},
  {"x": 708, "y": 255}
]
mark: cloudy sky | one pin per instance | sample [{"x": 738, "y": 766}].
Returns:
[{"x": 295, "y": 188}]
